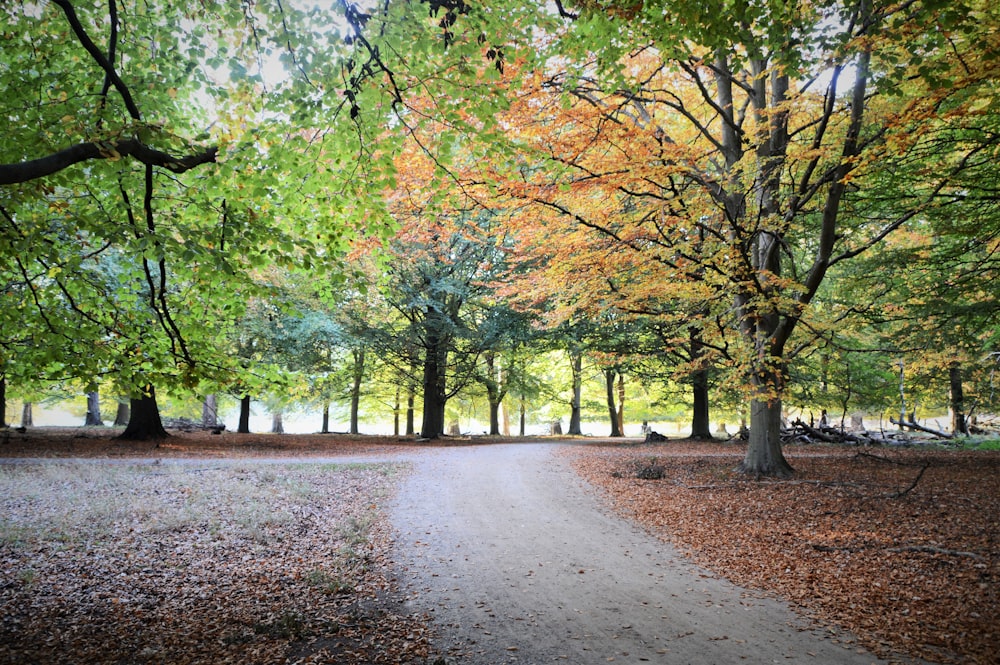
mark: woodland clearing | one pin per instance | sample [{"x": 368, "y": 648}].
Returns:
[{"x": 218, "y": 559}]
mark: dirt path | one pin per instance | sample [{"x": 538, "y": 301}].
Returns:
[{"x": 517, "y": 561}]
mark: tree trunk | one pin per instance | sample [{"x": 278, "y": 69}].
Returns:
[
  {"x": 701, "y": 427},
  {"x": 576, "y": 359},
  {"x": 494, "y": 416},
  {"x": 277, "y": 424},
  {"x": 244, "y": 425},
  {"x": 857, "y": 422},
  {"x": 521, "y": 416},
  {"x": 504, "y": 418},
  {"x": 325, "y": 427},
  {"x": 93, "y": 417},
  {"x": 144, "y": 422},
  {"x": 609, "y": 383},
  {"x": 210, "y": 411},
  {"x": 958, "y": 423},
  {"x": 902, "y": 395},
  {"x": 359, "y": 373},
  {"x": 122, "y": 414},
  {"x": 410, "y": 400},
  {"x": 495, "y": 391},
  {"x": 26, "y": 416},
  {"x": 3, "y": 400},
  {"x": 621, "y": 403},
  {"x": 396, "y": 408},
  {"x": 432, "y": 425},
  {"x": 764, "y": 456}
]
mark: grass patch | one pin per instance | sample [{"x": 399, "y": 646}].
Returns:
[
  {"x": 81, "y": 502},
  {"x": 240, "y": 558}
]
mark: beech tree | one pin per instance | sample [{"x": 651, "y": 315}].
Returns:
[
  {"x": 149, "y": 133},
  {"x": 760, "y": 123}
]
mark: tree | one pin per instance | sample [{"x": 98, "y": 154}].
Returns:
[
  {"x": 745, "y": 155},
  {"x": 93, "y": 417},
  {"x": 144, "y": 423},
  {"x": 150, "y": 144}
]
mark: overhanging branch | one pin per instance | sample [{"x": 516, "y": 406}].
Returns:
[{"x": 19, "y": 172}]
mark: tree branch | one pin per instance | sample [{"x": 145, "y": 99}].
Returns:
[
  {"x": 99, "y": 57},
  {"x": 19, "y": 172}
]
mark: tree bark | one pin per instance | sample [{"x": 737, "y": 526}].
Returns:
[
  {"x": 19, "y": 172},
  {"x": 495, "y": 392},
  {"x": 358, "y": 376},
  {"x": 494, "y": 417},
  {"x": 244, "y": 425},
  {"x": 621, "y": 403},
  {"x": 521, "y": 417},
  {"x": 277, "y": 423},
  {"x": 144, "y": 422},
  {"x": 764, "y": 456},
  {"x": 902, "y": 394},
  {"x": 210, "y": 411},
  {"x": 93, "y": 417},
  {"x": 27, "y": 419},
  {"x": 609, "y": 384},
  {"x": 701, "y": 427},
  {"x": 435, "y": 356},
  {"x": 576, "y": 360},
  {"x": 410, "y": 400},
  {"x": 396, "y": 408},
  {"x": 325, "y": 427},
  {"x": 958, "y": 421},
  {"x": 122, "y": 414},
  {"x": 3, "y": 400},
  {"x": 504, "y": 418}
]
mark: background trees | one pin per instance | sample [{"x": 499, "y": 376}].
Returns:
[{"x": 456, "y": 186}]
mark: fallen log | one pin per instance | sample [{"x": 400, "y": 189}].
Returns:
[
  {"x": 920, "y": 428},
  {"x": 800, "y": 431}
]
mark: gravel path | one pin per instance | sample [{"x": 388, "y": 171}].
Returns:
[{"x": 518, "y": 561}]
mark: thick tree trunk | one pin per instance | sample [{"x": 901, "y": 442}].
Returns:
[
  {"x": 277, "y": 423},
  {"x": 958, "y": 422},
  {"x": 432, "y": 425},
  {"x": 93, "y": 417},
  {"x": 609, "y": 384},
  {"x": 494, "y": 416},
  {"x": 3, "y": 400},
  {"x": 27, "y": 419},
  {"x": 701, "y": 427},
  {"x": 122, "y": 414},
  {"x": 576, "y": 360},
  {"x": 764, "y": 456},
  {"x": 359, "y": 373},
  {"x": 144, "y": 422},
  {"x": 244, "y": 425},
  {"x": 325, "y": 427},
  {"x": 210, "y": 411}
]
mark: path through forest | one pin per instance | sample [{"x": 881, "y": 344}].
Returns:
[{"x": 518, "y": 561}]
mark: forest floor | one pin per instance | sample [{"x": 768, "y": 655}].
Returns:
[{"x": 194, "y": 551}]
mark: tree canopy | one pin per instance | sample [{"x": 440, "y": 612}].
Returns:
[{"x": 713, "y": 185}]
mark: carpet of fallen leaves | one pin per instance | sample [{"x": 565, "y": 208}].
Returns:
[
  {"x": 149, "y": 562},
  {"x": 900, "y": 546}
]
